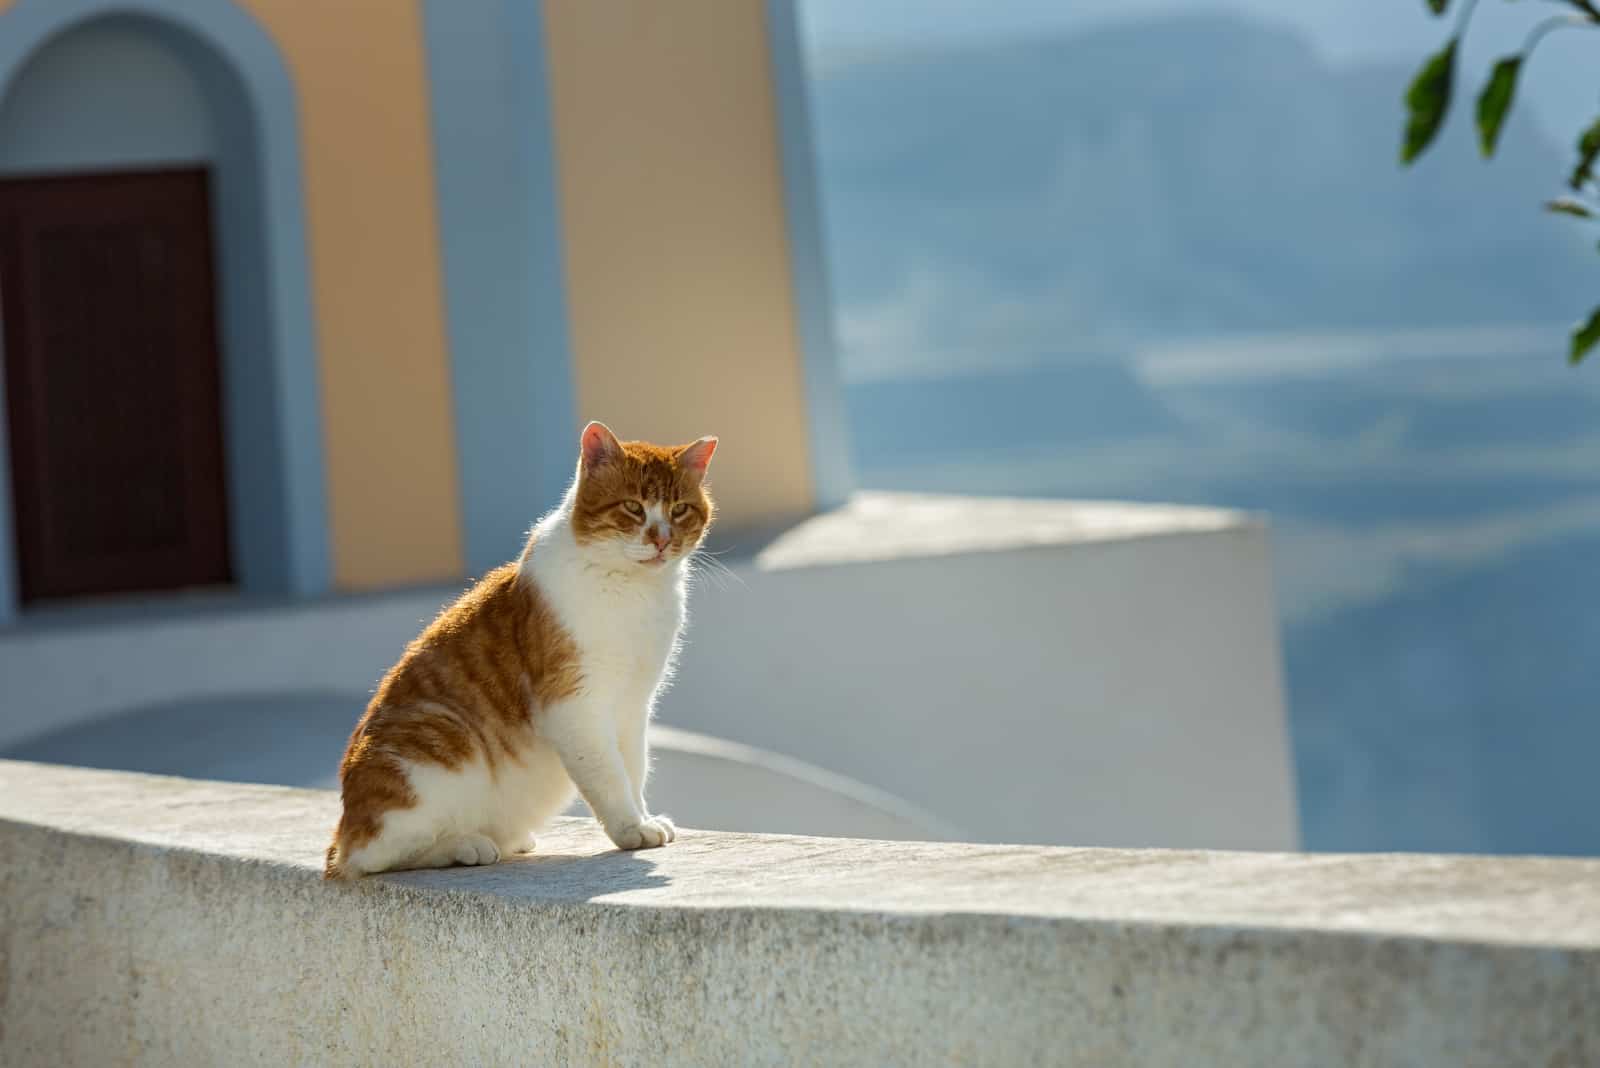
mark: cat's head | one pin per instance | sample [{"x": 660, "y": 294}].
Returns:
[{"x": 641, "y": 504}]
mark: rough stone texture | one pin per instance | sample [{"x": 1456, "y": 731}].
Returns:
[{"x": 168, "y": 921}]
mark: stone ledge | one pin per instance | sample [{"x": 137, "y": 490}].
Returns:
[{"x": 152, "y": 920}]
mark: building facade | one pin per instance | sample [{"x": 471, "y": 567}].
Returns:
[{"x": 313, "y": 298}]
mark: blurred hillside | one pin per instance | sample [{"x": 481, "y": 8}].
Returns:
[{"x": 1192, "y": 175}]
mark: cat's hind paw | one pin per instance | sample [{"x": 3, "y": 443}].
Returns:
[{"x": 474, "y": 849}]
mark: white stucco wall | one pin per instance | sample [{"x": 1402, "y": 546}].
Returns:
[
  {"x": 1033, "y": 671},
  {"x": 1053, "y": 672}
]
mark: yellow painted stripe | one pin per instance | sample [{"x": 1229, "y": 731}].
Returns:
[
  {"x": 393, "y": 499},
  {"x": 677, "y": 257}
]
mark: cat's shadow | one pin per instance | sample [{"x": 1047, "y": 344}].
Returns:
[{"x": 556, "y": 878}]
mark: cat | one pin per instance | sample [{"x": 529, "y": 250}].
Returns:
[{"x": 539, "y": 682}]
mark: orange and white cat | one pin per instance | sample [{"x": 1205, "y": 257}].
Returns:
[{"x": 538, "y": 682}]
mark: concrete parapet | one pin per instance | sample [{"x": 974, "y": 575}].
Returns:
[{"x": 168, "y": 921}]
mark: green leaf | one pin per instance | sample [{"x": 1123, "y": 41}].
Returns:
[
  {"x": 1428, "y": 99},
  {"x": 1569, "y": 206},
  {"x": 1495, "y": 101},
  {"x": 1588, "y": 153},
  {"x": 1584, "y": 337},
  {"x": 1438, "y": 6}
]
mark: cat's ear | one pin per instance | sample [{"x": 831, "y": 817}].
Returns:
[
  {"x": 599, "y": 445},
  {"x": 697, "y": 456}
]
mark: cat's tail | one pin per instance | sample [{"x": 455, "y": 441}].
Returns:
[{"x": 333, "y": 864}]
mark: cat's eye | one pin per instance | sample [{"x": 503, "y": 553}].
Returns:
[
  {"x": 679, "y": 511},
  {"x": 633, "y": 508}
]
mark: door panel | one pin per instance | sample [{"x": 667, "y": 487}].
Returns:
[{"x": 112, "y": 383}]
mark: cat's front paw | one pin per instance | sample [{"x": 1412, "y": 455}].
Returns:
[{"x": 653, "y": 831}]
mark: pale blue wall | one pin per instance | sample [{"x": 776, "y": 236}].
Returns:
[
  {"x": 499, "y": 221},
  {"x": 830, "y": 445},
  {"x": 126, "y": 83},
  {"x": 8, "y": 541},
  {"x": 110, "y": 94}
]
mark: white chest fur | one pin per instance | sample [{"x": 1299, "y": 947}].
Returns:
[{"x": 625, "y": 619}]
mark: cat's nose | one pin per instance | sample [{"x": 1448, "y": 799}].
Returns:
[{"x": 658, "y": 537}]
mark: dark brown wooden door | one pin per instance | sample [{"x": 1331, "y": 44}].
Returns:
[{"x": 112, "y": 383}]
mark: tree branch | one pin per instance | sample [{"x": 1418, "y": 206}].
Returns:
[{"x": 1558, "y": 22}]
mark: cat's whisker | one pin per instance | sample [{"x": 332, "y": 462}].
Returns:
[
  {"x": 698, "y": 568},
  {"x": 706, "y": 563},
  {"x": 724, "y": 569}
]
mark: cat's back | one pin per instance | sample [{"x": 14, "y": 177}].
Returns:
[{"x": 488, "y": 653}]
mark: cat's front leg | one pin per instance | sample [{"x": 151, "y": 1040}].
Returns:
[
  {"x": 636, "y": 759},
  {"x": 583, "y": 733},
  {"x": 634, "y": 744}
]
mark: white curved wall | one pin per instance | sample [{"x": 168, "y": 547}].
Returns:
[
  {"x": 702, "y": 781},
  {"x": 295, "y": 738},
  {"x": 1063, "y": 672}
]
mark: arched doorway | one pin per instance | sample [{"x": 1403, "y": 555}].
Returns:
[{"x": 187, "y": 108}]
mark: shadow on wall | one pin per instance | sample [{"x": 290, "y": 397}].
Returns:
[{"x": 562, "y": 877}]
